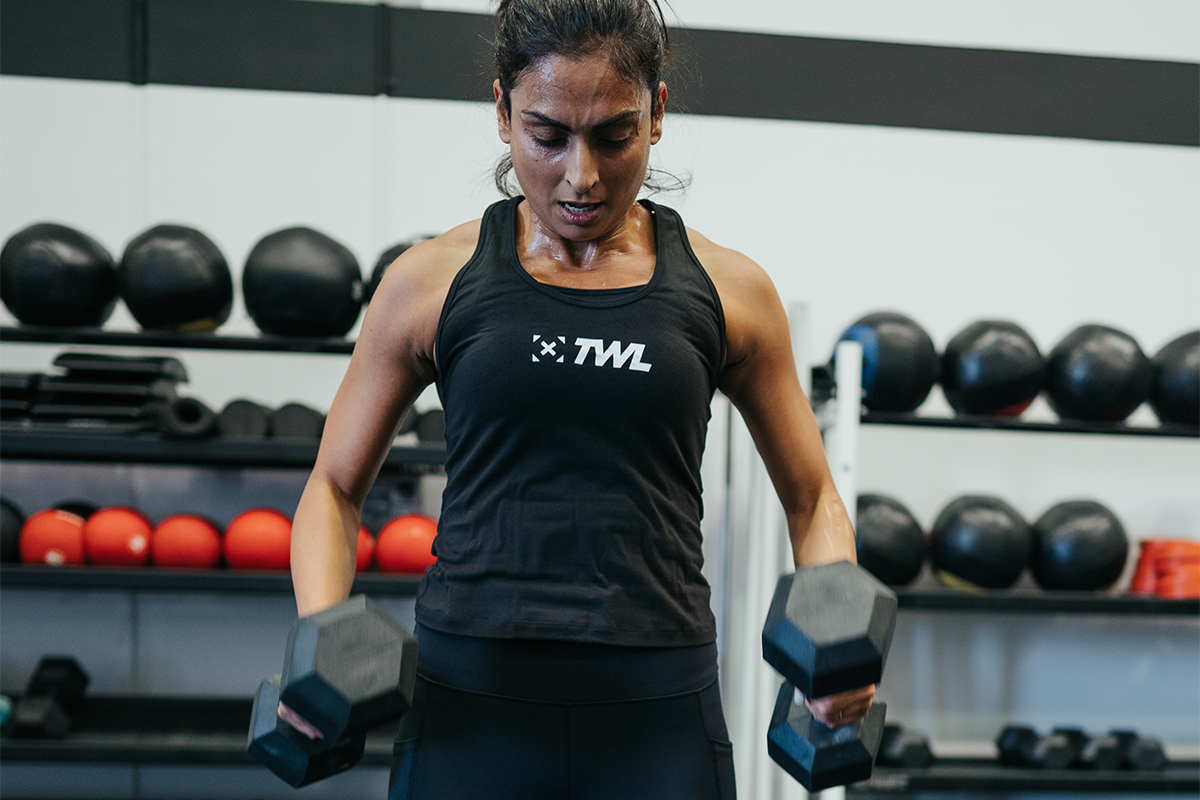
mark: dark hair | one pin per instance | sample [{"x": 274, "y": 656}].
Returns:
[{"x": 632, "y": 33}]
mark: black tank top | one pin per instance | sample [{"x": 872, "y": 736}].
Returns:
[{"x": 575, "y": 425}]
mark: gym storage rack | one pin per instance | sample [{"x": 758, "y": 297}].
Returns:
[
  {"x": 213, "y": 452},
  {"x": 987, "y": 776},
  {"x": 82, "y": 447}
]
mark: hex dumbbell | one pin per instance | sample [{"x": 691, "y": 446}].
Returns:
[
  {"x": 827, "y": 631},
  {"x": 347, "y": 669},
  {"x": 52, "y": 696}
]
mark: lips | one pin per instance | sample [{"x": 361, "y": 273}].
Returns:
[{"x": 579, "y": 213}]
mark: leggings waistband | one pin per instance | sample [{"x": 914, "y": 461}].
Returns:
[{"x": 562, "y": 672}]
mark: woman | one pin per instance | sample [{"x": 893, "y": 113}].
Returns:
[{"x": 576, "y": 336}]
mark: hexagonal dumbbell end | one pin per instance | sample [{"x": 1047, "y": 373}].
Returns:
[
  {"x": 829, "y": 628},
  {"x": 349, "y": 667},
  {"x": 900, "y": 747},
  {"x": 292, "y": 756},
  {"x": 818, "y": 756}
]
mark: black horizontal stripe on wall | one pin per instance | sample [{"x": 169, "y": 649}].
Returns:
[{"x": 404, "y": 52}]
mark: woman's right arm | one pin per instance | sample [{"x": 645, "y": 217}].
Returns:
[{"x": 393, "y": 362}]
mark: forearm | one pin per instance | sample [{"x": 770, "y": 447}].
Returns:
[
  {"x": 821, "y": 533},
  {"x": 324, "y": 542}
]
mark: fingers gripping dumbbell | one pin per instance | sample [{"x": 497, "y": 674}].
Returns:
[
  {"x": 347, "y": 669},
  {"x": 827, "y": 631}
]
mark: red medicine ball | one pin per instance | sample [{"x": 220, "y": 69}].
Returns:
[
  {"x": 52, "y": 537},
  {"x": 406, "y": 544},
  {"x": 259, "y": 539},
  {"x": 185, "y": 541},
  {"x": 117, "y": 537},
  {"x": 366, "y": 550}
]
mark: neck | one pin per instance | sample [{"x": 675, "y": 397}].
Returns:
[{"x": 623, "y": 256}]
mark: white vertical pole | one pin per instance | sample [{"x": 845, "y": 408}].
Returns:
[
  {"x": 844, "y": 456},
  {"x": 799, "y": 320}
]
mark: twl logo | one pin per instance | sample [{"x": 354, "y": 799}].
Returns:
[{"x": 554, "y": 349}]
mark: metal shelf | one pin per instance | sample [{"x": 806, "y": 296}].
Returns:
[
  {"x": 234, "y": 581},
  {"x": 154, "y": 449},
  {"x": 153, "y": 579},
  {"x": 175, "y": 341},
  {"x": 1016, "y": 424},
  {"x": 132, "y": 729},
  {"x": 987, "y": 775},
  {"x": 1046, "y": 602}
]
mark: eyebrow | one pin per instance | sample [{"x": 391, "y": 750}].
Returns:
[{"x": 624, "y": 115}]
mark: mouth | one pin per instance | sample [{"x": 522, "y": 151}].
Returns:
[{"x": 579, "y": 213}]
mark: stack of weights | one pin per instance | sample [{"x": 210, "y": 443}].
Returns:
[
  {"x": 1168, "y": 568},
  {"x": 101, "y": 393}
]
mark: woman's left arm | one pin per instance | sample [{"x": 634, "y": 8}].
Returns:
[{"x": 760, "y": 378}]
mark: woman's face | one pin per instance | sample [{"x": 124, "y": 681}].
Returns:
[{"x": 580, "y": 136}]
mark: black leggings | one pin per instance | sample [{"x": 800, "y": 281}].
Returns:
[{"x": 548, "y": 721}]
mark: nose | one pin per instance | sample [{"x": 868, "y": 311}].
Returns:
[{"x": 582, "y": 174}]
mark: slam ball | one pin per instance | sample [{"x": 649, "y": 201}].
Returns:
[
  {"x": 1097, "y": 373},
  {"x": 117, "y": 537},
  {"x": 1175, "y": 395},
  {"x": 992, "y": 367},
  {"x": 890, "y": 542},
  {"x": 299, "y": 282},
  {"x": 406, "y": 544},
  {"x": 53, "y": 537},
  {"x": 900, "y": 363},
  {"x": 174, "y": 278},
  {"x": 54, "y": 275},
  {"x": 979, "y": 541},
  {"x": 1080, "y": 545},
  {"x": 260, "y": 538},
  {"x": 185, "y": 541}
]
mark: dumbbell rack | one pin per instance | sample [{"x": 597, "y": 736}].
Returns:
[{"x": 985, "y": 775}]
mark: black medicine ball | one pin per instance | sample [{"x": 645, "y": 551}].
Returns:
[
  {"x": 1097, "y": 373},
  {"x": 979, "y": 541},
  {"x": 1078, "y": 545},
  {"x": 900, "y": 363},
  {"x": 54, "y": 275},
  {"x": 299, "y": 282},
  {"x": 890, "y": 542},
  {"x": 174, "y": 278},
  {"x": 992, "y": 367},
  {"x": 1176, "y": 384},
  {"x": 11, "y": 520}
]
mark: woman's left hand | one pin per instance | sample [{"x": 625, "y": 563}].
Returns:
[{"x": 840, "y": 709}]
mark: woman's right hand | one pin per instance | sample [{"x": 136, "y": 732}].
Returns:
[
  {"x": 839, "y": 709},
  {"x": 299, "y": 723}
]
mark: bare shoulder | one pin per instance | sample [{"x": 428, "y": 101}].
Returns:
[
  {"x": 738, "y": 278},
  {"x": 434, "y": 261},
  {"x": 754, "y": 315},
  {"x": 408, "y": 302}
]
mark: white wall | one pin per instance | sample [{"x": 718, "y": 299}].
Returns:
[{"x": 947, "y": 227}]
